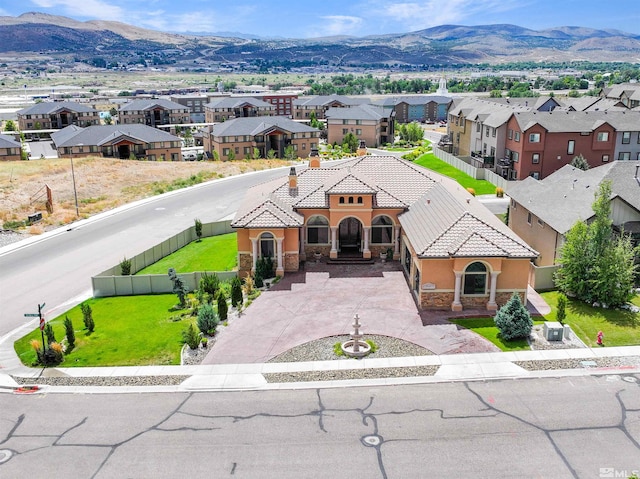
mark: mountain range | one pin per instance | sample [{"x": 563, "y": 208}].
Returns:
[{"x": 441, "y": 45}]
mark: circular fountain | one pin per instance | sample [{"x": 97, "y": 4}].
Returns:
[{"x": 356, "y": 347}]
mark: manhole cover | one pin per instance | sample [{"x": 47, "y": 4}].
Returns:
[
  {"x": 5, "y": 455},
  {"x": 630, "y": 379},
  {"x": 372, "y": 440}
]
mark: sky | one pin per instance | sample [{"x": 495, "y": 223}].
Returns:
[{"x": 307, "y": 19}]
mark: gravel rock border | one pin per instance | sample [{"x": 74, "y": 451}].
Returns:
[
  {"x": 372, "y": 373},
  {"x": 105, "y": 381},
  {"x": 551, "y": 364}
]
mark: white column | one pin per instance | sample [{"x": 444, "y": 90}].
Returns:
[
  {"x": 366, "y": 230},
  {"x": 254, "y": 255},
  {"x": 396, "y": 249},
  {"x": 279, "y": 267},
  {"x": 334, "y": 239},
  {"x": 458, "y": 287},
  {"x": 492, "y": 291}
]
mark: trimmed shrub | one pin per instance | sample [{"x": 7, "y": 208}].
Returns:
[
  {"x": 180, "y": 290},
  {"x": 210, "y": 284},
  {"x": 472, "y": 191},
  {"x": 191, "y": 337},
  {"x": 198, "y": 228},
  {"x": 223, "y": 309},
  {"x": 257, "y": 280},
  {"x": 70, "y": 333},
  {"x": 513, "y": 320},
  {"x": 125, "y": 267},
  {"x": 207, "y": 319},
  {"x": 236, "y": 292}
]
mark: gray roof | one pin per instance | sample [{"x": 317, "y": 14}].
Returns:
[
  {"x": 149, "y": 104},
  {"x": 324, "y": 100},
  {"x": 491, "y": 113},
  {"x": 50, "y": 107},
  {"x": 413, "y": 100},
  {"x": 101, "y": 134},
  {"x": 361, "y": 112},
  {"x": 579, "y": 121},
  {"x": 566, "y": 195},
  {"x": 441, "y": 219},
  {"x": 7, "y": 141},
  {"x": 257, "y": 125},
  {"x": 235, "y": 102}
]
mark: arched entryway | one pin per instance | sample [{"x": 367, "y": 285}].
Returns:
[{"x": 350, "y": 237}]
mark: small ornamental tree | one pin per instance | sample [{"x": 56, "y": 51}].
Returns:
[
  {"x": 198, "y": 228},
  {"x": 236, "y": 292},
  {"x": 180, "y": 290},
  {"x": 207, "y": 319},
  {"x": 70, "y": 333},
  {"x": 191, "y": 337},
  {"x": 561, "y": 312},
  {"x": 87, "y": 317},
  {"x": 125, "y": 267},
  {"x": 48, "y": 332},
  {"x": 210, "y": 284},
  {"x": 223, "y": 309},
  {"x": 513, "y": 320}
]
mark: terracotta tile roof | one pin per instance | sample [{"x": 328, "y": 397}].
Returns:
[{"x": 440, "y": 218}]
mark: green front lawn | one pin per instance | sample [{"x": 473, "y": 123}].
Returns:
[
  {"x": 620, "y": 327},
  {"x": 215, "y": 253},
  {"x": 432, "y": 162},
  {"x": 129, "y": 331},
  {"x": 486, "y": 328}
]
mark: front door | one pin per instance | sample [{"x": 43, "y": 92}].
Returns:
[{"x": 350, "y": 236}]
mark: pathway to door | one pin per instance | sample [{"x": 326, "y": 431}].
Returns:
[{"x": 322, "y": 301}]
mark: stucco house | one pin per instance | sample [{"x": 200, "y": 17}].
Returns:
[
  {"x": 10, "y": 149},
  {"x": 543, "y": 211},
  {"x": 117, "y": 141},
  {"x": 455, "y": 253}
]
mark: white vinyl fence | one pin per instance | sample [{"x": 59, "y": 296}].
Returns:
[
  {"x": 112, "y": 283},
  {"x": 472, "y": 171}
]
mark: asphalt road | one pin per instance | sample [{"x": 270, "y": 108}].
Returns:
[
  {"x": 585, "y": 427},
  {"x": 57, "y": 269}
]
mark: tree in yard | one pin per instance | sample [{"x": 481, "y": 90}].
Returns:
[
  {"x": 210, "y": 284},
  {"x": 271, "y": 154},
  {"x": 10, "y": 125},
  {"x": 198, "y": 228},
  {"x": 70, "y": 333},
  {"x": 48, "y": 332},
  {"x": 223, "y": 308},
  {"x": 561, "y": 306},
  {"x": 180, "y": 290},
  {"x": 87, "y": 317},
  {"x": 513, "y": 320},
  {"x": 595, "y": 264},
  {"x": 580, "y": 162},
  {"x": 231, "y": 156},
  {"x": 113, "y": 111},
  {"x": 236, "y": 292},
  {"x": 188, "y": 137},
  {"x": 290, "y": 153},
  {"x": 350, "y": 142},
  {"x": 207, "y": 319},
  {"x": 495, "y": 94},
  {"x": 108, "y": 120},
  {"x": 256, "y": 153}
]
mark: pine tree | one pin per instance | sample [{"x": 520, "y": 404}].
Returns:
[
  {"x": 513, "y": 320},
  {"x": 236, "y": 292},
  {"x": 222, "y": 306}
]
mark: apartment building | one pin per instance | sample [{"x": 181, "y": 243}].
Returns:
[
  {"x": 153, "y": 112},
  {"x": 57, "y": 115},
  {"x": 228, "y": 108},
  {"x": 372, "y": 124}
]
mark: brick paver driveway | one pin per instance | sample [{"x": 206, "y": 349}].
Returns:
[{"x": 322, "y": 301}]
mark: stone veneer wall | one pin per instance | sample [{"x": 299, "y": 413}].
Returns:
[
  {"x": 310, "y": 249},
  {"x": 245, "y": 264},
  {"x": 436, "y": 300},
  {"x": 377, "y": 249},
  {"x": 474, "y": 302},
  {"x": 503, "y": 297},
  {"x": 291, "y": 262}
]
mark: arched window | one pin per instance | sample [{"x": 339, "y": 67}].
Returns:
[
  {"x": 359, "y": 200},
  {"x": 318, "y": 230},
  {"x": 350, "y": 199},
  {"x": 382, "y": 230},
  {"x": 341, "y": 201},
  {"x": 475, "y": 279},
  {"x": 267, "y": 245}
]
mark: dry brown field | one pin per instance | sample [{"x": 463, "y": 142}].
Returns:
[{"x": 101, "y": 184}]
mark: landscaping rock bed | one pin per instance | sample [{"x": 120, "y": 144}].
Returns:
[
  {"x": 105, "y": 381},
  {"x": 371, "y": 373},
  {"x": 551, "y": 364},
  {"x": 538, "y": 342}
]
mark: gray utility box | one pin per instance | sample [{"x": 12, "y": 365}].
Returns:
[{"x": 553, "y": 331}]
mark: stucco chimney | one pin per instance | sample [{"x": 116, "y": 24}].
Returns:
[
  {"x": 314, "y": 158},
  {"x": 293, "y": 179}
]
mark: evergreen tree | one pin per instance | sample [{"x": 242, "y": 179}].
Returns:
[
  {"x": 236, "y": 292},
  {"x": 513, "y": 320},
  {"x": 580, "y": 162},
  {"x": 70, "y": 333},
  {"x": 207, "y": 319},
  {"x": 222, "y": 306}
]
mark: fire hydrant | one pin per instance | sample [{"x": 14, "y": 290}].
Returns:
[{"x": 600, "y": 336}]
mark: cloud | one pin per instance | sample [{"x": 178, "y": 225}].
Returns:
[
  {"x": 339, "y": 25},
  {"x": 430, "y": 13},
  {"x": 94, "y": 9},
  {"x": 202, "y": 21}
]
